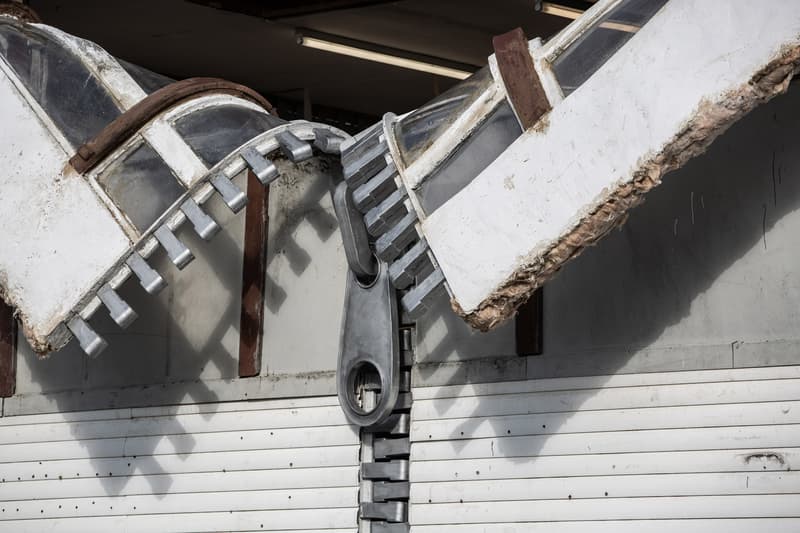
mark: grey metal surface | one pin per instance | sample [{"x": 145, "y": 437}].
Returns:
[
  {"x": 392, "y": 243},
  {"x": 381, "y": 217},
  {"x": 293, "y": 148},
  {"x": 396, "y": 424},
  {"x": 234, "y": 197},
  {"x": 370, "y": 163},
  {"x": 390, "y": 511},
  {"x": 150, "y": 279},
  {"x": 389, "y": 527},
  {"x": 327, "y": 142},
  {"x": 353, "y": 149},
  {"x": 178, "y": 253},
  {"x": 386, "y": 448},
  {"x": 419, "y": 299},
  {"x": 91, "y": 343},
  {"x": 204, "y": 225},
  {"x": 376, "y": 189},
  {"x": 390, "y": 471},
  {"x": 369, "y": 343},
  {"x": 264, "y": 169},
  {"x": 355, "y": 240},
  {"x": 390, "y": 490},
  {"x": 405, "y": 269},
  {"x": 122, "y": 313}
]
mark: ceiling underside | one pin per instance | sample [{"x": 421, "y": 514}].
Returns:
[{"x": 184, "y": 39}]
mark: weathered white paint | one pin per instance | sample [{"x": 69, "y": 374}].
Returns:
[
  {"x": 188, "y": 168},
  {"x": 242, "y": 466},
  {"x": 8, "y": 72},
  {"x": 579, "y": 455},
  {"x": 55, "y": 233},
  {"x": 541, "y": 187},
  {"x": 185, "y": 164}
]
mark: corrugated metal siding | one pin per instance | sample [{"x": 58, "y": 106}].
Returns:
[
  {"x": 270, "y": 465},
  {"x": 676, "y": 451}
]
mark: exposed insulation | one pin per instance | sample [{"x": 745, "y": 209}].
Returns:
[{"x": 711, "y": 119}]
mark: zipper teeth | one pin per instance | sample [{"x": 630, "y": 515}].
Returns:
[{"x": 400, "y": 436}]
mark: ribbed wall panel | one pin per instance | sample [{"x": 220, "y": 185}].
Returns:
[
  {"x": 678, "y": 451},
  {"x": 273, "y": 465}
]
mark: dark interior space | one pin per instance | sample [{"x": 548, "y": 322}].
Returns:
[{"x": 254, "y": 43}]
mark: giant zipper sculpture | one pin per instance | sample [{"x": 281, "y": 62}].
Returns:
[
  {"x": 104, "y": 161},
  {"x": 485, "y": 192},
  {"x": 488, "y": 190}
]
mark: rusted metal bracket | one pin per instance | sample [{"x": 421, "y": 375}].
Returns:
[
  {"x": 254, "y": 271},
  {"x": 8, "y": 345},
  {"x": 523, "y": 86},
  {"x": 132, "y": 120}
]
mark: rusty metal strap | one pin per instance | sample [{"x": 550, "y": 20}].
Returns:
[
  {"x": 20, "y": 12},
  {"x": 523, "y": 86},
  {"x": 8, "y": 350},
  {"x": 132, "y": 120}
]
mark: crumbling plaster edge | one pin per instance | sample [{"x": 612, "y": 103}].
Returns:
[{"x": 711, "y": 119}]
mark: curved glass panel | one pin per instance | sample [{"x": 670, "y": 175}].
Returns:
[
  {"x": 417, "y": 131},
  {"x": 486, "y": 143},
  {"x": 142, "y": 186},
  {"x": 75, "y": 100},
  {"x": 214, "y": 132},
  {"x": 148, "y": 80},
  {"x": 591, "y": 50}
]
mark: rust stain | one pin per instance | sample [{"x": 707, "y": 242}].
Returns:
[
  {"x": 8, "y": 345},
  {"x": 254, "y": 270},
  {"x": 523, "y": 86},
  {"x": 127, "y": 124},
  {"x": 711, "y": 119}
]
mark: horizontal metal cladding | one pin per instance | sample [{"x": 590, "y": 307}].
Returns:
[
  {"x": 270, "y": 465},
  {"x": 698, "y": 451}
]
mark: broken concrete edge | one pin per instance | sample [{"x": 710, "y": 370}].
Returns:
[
  {"x": 40, "y": 347},
  {"x": 711, "y": 119}
]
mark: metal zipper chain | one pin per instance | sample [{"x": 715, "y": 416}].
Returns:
[{"x": 385, "y": 452}]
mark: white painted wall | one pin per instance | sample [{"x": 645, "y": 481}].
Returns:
[
  {"x": 541, "y": 187},
  {"x": 681, "y": 451},
  {"x": 243, "y": 466}
]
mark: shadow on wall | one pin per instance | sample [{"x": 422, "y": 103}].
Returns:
[
  {"x": 703, "y": 275},
  {"x": 183, "y": 338}
]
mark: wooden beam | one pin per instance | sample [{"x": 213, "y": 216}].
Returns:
[
  {"x": 254, "y": 270},
  {"x": 8, "y": 350}
]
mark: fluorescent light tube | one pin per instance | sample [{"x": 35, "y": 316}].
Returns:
[
  {"x": 572, "y": 13},
  {"x": 354, "y": 50}
]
